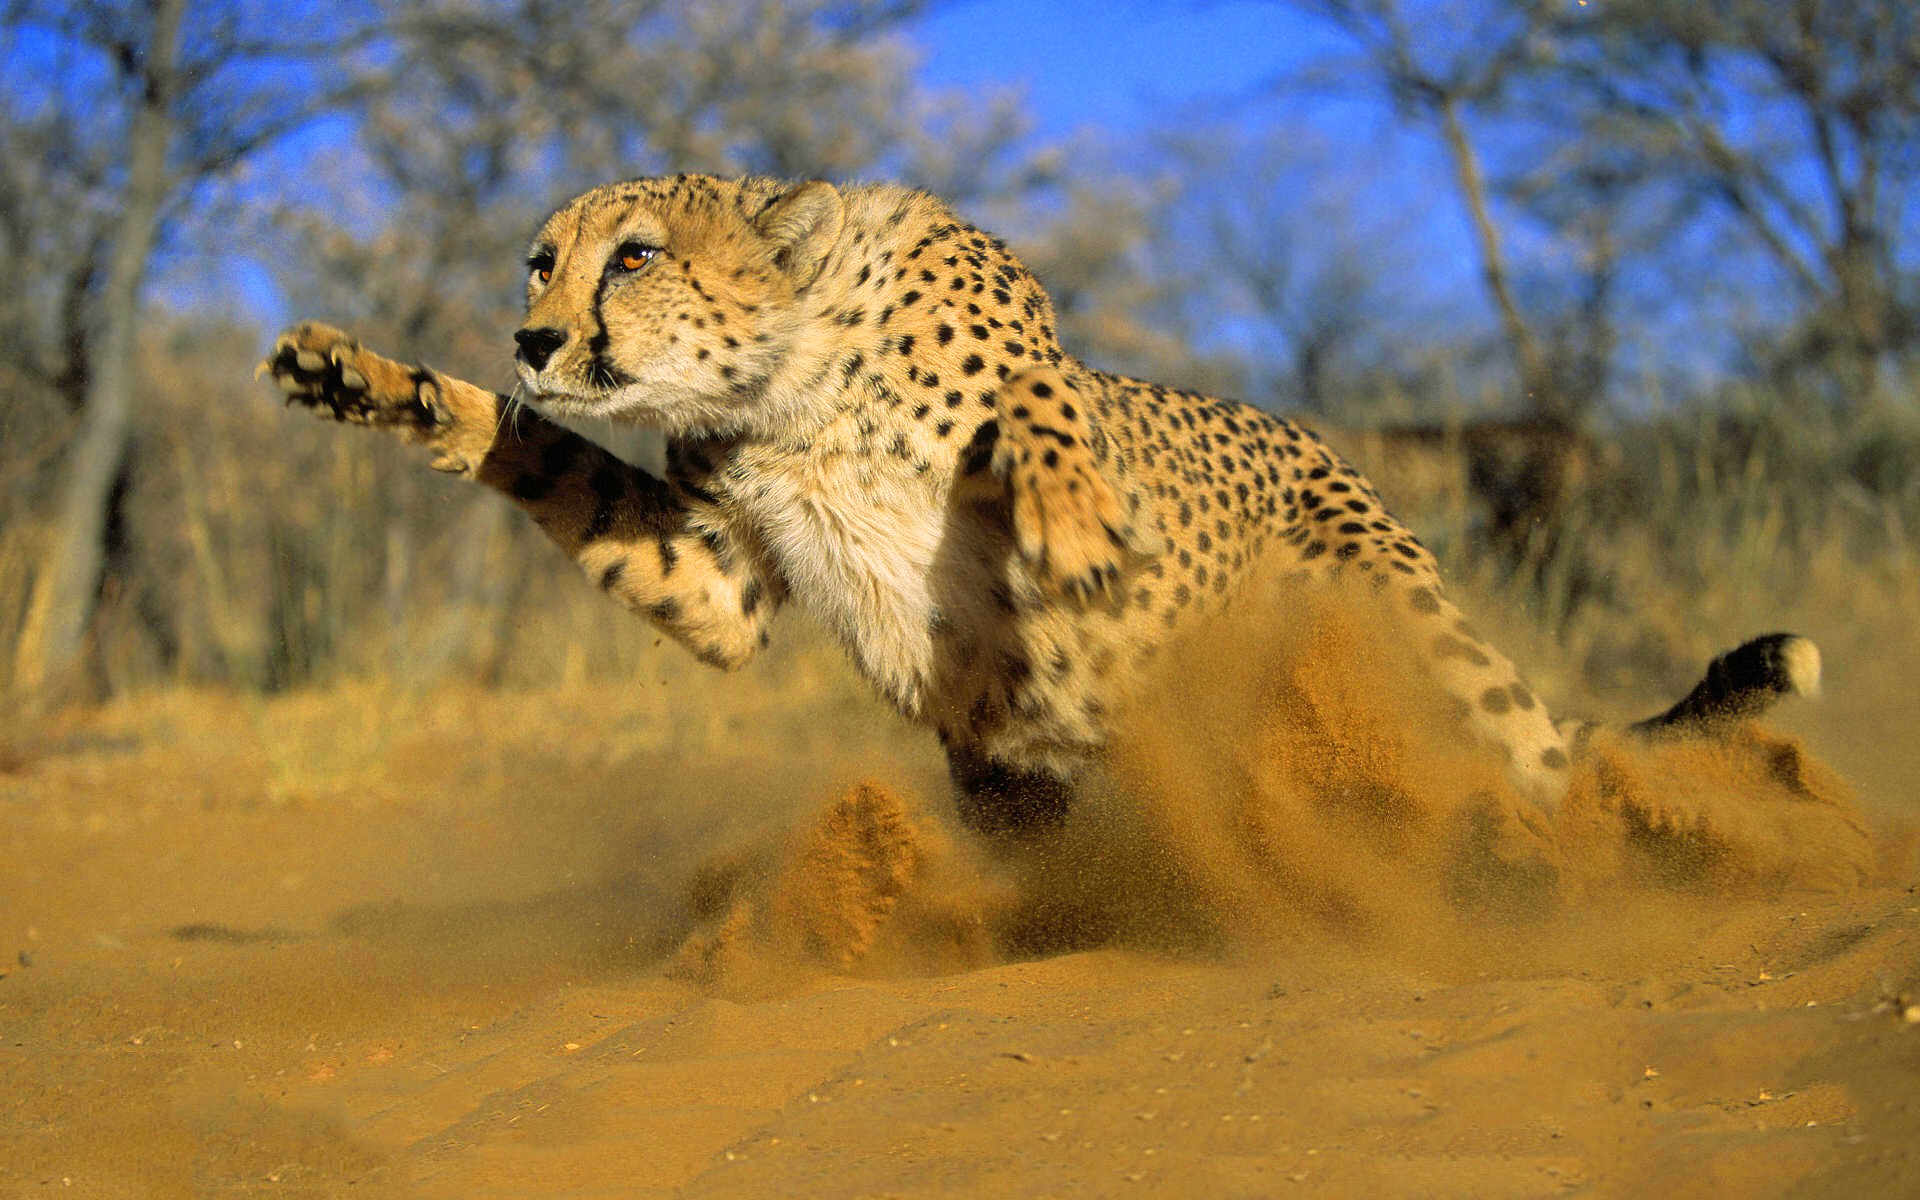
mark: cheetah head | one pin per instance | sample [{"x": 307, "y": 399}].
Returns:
[{"x": 673, "y": 304}]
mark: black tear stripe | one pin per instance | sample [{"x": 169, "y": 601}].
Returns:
[{"x": 600, "y": 368}]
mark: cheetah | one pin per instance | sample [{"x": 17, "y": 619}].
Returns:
[{"x": 868, "y": 414}]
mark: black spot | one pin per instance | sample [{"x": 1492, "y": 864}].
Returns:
[
  {"x": 1446, "y": 645},
  {"x": 973, "y": 366},
  {"x": 611, "y": 575},
  {"x": 1496, "y": 700},
  {"x": 1522, "y": 698},
  {"x": 1423, "y": 600},
  {"x": 1553, "y": 758},
  {"x": 750, "y": 597},
  {"x": 979, "y": 451}
]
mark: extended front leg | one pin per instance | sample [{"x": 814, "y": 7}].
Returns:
[{"x": 648, "y": 543}]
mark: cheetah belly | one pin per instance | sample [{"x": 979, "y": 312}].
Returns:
[{"x": 857, "y": 553}]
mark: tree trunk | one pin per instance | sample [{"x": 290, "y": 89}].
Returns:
[
  {"x": 68, "y": 587},
  {"x": 1542, "y": 399}
]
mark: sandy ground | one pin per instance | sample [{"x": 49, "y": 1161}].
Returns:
[{"x": 608, "y": 944}]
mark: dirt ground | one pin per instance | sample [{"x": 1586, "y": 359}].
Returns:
[{"x": 654, "y": 941}]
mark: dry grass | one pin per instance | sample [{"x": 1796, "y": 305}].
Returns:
[{"x": 265, "y": 551}]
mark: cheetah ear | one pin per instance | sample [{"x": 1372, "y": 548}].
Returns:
[{"x": 803, "y": 226}]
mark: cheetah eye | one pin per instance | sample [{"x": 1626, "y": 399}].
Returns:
[
  {"x": 631, "y": 256},
  {"x": 541, "y": 264}
]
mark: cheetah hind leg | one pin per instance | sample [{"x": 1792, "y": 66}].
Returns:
[{"x": 1077, "y": 529}]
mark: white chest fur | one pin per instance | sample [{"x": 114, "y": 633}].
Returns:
[{"x": 856, "y": 545}]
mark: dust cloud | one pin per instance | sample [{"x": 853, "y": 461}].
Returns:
[{"x": 1290, "y": 782}]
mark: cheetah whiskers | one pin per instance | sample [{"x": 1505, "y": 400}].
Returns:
[
  {"x": 509, "y": 417},
  {"x": 600, "y": 376}
]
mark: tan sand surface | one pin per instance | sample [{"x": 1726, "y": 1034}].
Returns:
[{"x": 462, "y": 944}]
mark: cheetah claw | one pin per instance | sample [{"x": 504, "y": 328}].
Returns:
[{"x": 325, "y": 369}]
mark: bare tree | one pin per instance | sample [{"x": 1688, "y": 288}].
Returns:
[
  {"x": 1795, "y": 123},
  {"x": 152, "y": 104},
  {"x": 1440, "y": 68},
  {"x": 1275, "y": 268},
  {"x": 62, "y": 601}
]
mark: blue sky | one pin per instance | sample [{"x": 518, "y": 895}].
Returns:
[
  {"x": 1115, "y": 65},
  {"x": 1117, "y": 71},
  {"x": 1111, "y": 74},
  {"x": 1114, "y": 72}
]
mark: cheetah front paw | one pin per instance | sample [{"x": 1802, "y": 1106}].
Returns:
[
  {"x": 328, "y": 371},
  {"x": 1076, "y": 531}
]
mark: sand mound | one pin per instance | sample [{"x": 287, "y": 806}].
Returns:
[
  {"x": 1751, "y": 812},
  {"x": 869, "y": 885},
  {"x": 1289, "y": 779}
]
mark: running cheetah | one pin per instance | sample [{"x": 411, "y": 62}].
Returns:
[{"x": 869, "y": 414}]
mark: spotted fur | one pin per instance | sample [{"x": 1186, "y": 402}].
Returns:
[{"x": 869, "y": 414}]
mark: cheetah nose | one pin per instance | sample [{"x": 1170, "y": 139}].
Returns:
[{"x": 538, "y": 345}]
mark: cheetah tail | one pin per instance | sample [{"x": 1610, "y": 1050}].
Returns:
[{"x": 1742, "y": 683}]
